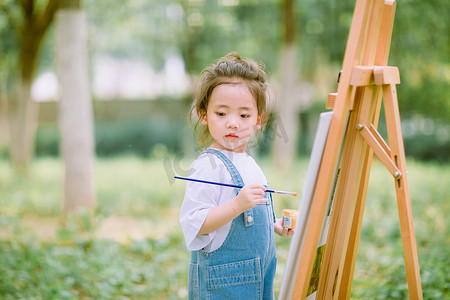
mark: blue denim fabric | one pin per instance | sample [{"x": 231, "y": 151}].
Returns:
[{"x": 244, "y": 266}]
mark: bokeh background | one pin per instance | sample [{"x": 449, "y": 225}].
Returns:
[{"x": 94, "y": 97}]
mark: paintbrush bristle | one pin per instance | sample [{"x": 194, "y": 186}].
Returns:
[{"x": 295, "y": 194}]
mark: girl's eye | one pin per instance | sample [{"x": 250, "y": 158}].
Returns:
[
  {"x": 220, "y": 114},
  {"x": 245, "y": 116}
]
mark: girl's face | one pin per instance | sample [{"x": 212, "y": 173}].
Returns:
[{"x": 232, "y": 117}]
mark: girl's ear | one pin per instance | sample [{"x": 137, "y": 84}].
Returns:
[
  {"x": 259, "y": 121},
  {"x": 203, "y": 119}
]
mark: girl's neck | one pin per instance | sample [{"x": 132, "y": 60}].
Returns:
[{"x": 226, "y": 150}]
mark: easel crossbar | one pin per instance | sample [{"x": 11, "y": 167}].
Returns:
[
  {"x": 379, "y": 146},
  {"x": 378, "y": 75}
]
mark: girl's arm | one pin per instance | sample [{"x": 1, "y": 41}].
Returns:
[{"x": 249, "y": 196}]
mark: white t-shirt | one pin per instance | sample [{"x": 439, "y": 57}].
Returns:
[{"x": 200, "y": 197}]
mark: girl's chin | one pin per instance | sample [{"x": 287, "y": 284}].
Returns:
[{"x": 232, "y": 146}]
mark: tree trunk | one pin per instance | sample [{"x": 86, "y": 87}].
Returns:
[
  {"x": 287, "y": 108},
  {"x": 22, "y": 112},
  {"x": 4, "y": 127},
  {"x": 286, "y": 123},
  {"x": 75, "y": 110}
]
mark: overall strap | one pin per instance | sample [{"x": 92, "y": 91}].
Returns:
[{"x": 236, "y": 177}]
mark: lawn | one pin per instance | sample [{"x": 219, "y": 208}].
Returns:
[{"x": 133, "y": 247}]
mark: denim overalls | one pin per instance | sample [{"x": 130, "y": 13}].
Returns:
[{"x": 244, "y": 266}]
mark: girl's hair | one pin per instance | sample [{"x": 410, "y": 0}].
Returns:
[{"x": 230, "y": 69}]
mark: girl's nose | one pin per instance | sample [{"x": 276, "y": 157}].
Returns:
[{"x": 232, "y": 123}]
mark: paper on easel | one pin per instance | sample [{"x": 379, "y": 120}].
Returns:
[
  {"x": 315, "y": 275},
  {"x": 297, "y": 242}
]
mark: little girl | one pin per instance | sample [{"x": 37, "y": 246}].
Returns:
[{"x": 230, "y": 232}]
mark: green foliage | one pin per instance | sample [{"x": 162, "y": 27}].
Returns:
[
  {"x": 423, "y": 138},
  {"x": 202, "y": 31},
  {"x": 75, "y": 264},
  {"x": 47, "y": 140},
  {"x": 427, "y": 147},
  {"x": 39, "y": 194},
  {"x": 143, "y": 137},
  {"x": 420, "y": 48},
  {"x": 427, "y": 95},
  {"x": 138, "y": 137},
  {"x": 138, "y": 187},
  {"x": 93, "y": 269},
  {"x": 380, "y": 271}
]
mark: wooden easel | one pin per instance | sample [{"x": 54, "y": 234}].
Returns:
[{"x": 352, "y": 139}]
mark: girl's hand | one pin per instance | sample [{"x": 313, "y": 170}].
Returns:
[
  {"x": 249, "y": 196},
  {"x": 284, "y": 232}
]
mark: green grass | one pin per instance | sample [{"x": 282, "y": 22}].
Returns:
[{"x": 41, "y": 260}]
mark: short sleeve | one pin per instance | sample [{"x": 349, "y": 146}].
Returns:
[{"x": 199, "y": 199}]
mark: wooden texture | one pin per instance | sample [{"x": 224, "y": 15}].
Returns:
[
  {"x": 402, "y": 192},
  {"x": 381, "y": 58},
  {"x": 331, "y": 152},
  {"x": 386, "y": 75},
  {"x": 331, "y": 100},
  {"x": 378, "y": 146},
  {"x": 352, "y": 165},
  {"x": 362, "y": 75}
]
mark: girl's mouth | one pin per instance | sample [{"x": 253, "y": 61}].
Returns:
[{"x": 231, "y": 136}]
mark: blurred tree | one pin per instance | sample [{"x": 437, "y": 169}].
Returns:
[
  {"x": 29, "y": 20},
  {"x": 421, "y": 50},
  {"x": 7, "y": 49},
  {"x": 200, "y": 31},
  {"x": 292, "y": 94},
  {"x": 287, "y": 107},
  {"x": 4, "y": 128},
  {"x": 75, "y": 107}
]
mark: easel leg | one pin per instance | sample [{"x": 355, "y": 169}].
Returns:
[
  {"x": 331, "y": 151},
  {"x": 402, "y": 191},
  {"x": 381, "y": 58},
  {"x": 341, "y": 248},
  {"x": 355, "y": 233}
]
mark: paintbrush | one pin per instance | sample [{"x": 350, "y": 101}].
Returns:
[{"x": 232, "y": 185}]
